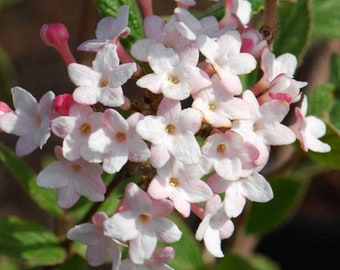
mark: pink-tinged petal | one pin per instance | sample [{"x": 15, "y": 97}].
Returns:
[
  {"x": 51, "y": 176},
  {"x": 24, "y": 102},
  {"x": 11, "y": 123},
  {"x": 234, "y": 200},
  {"x": 162, "y": 59},
  {"x": 181, "y": 205},
  {"x": 152, "y": 128},
  {"x": 159, "y": 155},
  {"x": 277, "y": 135},
  {"x": 190, "y": 120},
  {"x": 121, "y": 226},
  {"x": 113, "y": 97},
  {"x": 141, "y": 248},
  {"x": 281, "y": 109},
  {"x": 25, "y": 145},
  {"x": 96, "y": 255},
  {"x": 67, "y": 196},
  {"x": 4, "y": 107},
  {"x": 45, "y": 104},
  {"x": 231, "y": 82},
  {"x": 256, "y": 188},
  {"x": 140, "y": 49},
  {"x": 189, "y": 54},
  {"x": 120, "y": 74},
  {"x": 197, "y": 191},
  {"x": 85, "y": 233},
  {"x": 213, "y": 205},
  {"x": 115, "y": 159},
  {"x": 169, "y": 109},
  {"x": 227, "y": 229},
  {"x": 217, "y": 184},
  {"x": 92, "y": 45},
  {"x": 185, "y": 148},
  {"x": 315, "y": 126},
  {"x": 99, "y": 141},
  {"x": 82, "y": 75},
  {"x": 177, "y": 91},
  {"x": 86, "y": 94},
  {"x": 163, "y": 254},
  {"x": 212, "y": 242},
  {"x": 202, "y": 228},
  {"x": 243, "y": 63},
  {"x": 167, "y": 231},
  {"x": 152, "y": 82},
  {"x": 138, "y": 150},
  {"x": 153, "y": 26},
  {"x": 207, "y": 46},
  {"x": 106, "y": 58},
  {"x": 229, "y": 168},
  {"x": 157, "y": 188},
  {"x": 137, "y": 200},
  {"x": 230, "y": 42}
]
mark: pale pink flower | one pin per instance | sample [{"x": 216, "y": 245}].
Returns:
[
  {"x": 308, "y": 130},
  {"x": 4, "y": 108},
  {"x": 118, "y": 141},
  {"x": 285, "y": 88},
  {"x": 75, "y": 129},
  {"x": 172, "y": 133},
  {"x": 265, "y": 127},
  {"x": 182, "y": 184},
  {"x": 175, "y": 75},
  {"x": 219, "y": 107},
  {"x": 99, "y": 247},
  {"x": 190, "y": 27},
  {"x": 227, "y": 60},
  {"x": 232, "y": 157},
  {"x": 72, "y": 179},
  {"x": 108, "y": 30},
  {"x": 214, "y": 227},
  {"x": 102, "y": 82},
  {"x": 157, "y": 31},
  {"x": 142, "y": 222},
  {"x": 30, "y": 120},
  {"x": 157, "y": 261},
  {"x": 252, "y": 42},
  {"x": 253, "y": 187}
]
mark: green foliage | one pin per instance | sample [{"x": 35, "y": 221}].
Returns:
[
  {"x": 135, "y": 23},
  {"x": 45, "y": 198},
  {"x": 321, "y": 101},
  {"x": 255, "y": 262},
  {"x": 295, "y": 28},
  {"x": 327, "y": 19},
  {"x": 29, "y": 242},
  {"x": 264, "y": 218},
  {"x": 188, "y": 250},
  {"x": 75, "y": 262}
]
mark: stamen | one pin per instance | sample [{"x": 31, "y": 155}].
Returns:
[
  {"x": 170, "y": 128},
  {"x": 85, "y": 128},
  {"x": 221, "y": 148},
  {"x": 173, "y": 182}
]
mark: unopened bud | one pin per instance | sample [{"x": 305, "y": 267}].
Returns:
[{"x": 56, "y": 35}]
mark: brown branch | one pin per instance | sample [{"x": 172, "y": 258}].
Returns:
[{"x": 270, "y": 21}]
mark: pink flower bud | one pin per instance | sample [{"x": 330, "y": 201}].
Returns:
[
  {"x": 62, "y": 104},
  {"x": 56, "y": 35}
]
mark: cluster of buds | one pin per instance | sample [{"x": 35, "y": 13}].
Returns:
[{"x": 202, "y": 134}]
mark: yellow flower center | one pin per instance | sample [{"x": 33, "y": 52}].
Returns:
[
  {"x": 221, "y": 148},
  {"x": 85, "y": 128},
  {"x": 173, "y": 79},
  {"x": 170, "y": 128},
  {"x": 173, "y": 182},
  {"x": 144, "y": 218},
  {"x": 212, "y": 107},
  {"x": 121, "y": 136}
]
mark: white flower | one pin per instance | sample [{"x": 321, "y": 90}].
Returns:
[{"x": 30, "y": 120}]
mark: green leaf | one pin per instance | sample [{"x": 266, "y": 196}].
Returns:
[
  {"x": 8, "y": 264},
  {"x": 75, "y": 262},
  {"x": 268, "y": 216},
  {"x": 45, "y": 198},
  {"x": 327, "y": 19},
  {"x": 233, "y": 261},
  {"x": 188, "y": 249},
  {"x": 295, "y": 28},
  {"x": 29, "y": 242},
  {"x": 254, "y": 262},
  {"x": 334, "y": 115},
  {"x": 111, "y": 8},
  {"x": 321, "y": 101}
]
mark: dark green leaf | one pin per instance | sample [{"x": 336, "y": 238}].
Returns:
[
  {"x": 111, "y": 8},
  {"x": 75, "y": 262},
  {"x": 7, "y": 263},
  {"x": 265, "y": 217},
  {"x": 45, "y": 198},
  {"x": 321, "y": 101},
  {"x": 327, "y": 19},
  {"x": 295, "y": 28},
  {"x": 30, "y": 242},
  {"x": 233, "y": 261},
  {"x": 188, "y": 249}
]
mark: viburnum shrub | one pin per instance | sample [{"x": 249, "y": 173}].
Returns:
[{"x": 175, "y": 120}]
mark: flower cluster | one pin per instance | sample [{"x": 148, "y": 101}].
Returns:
[{"x": 204, "y": 135}]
